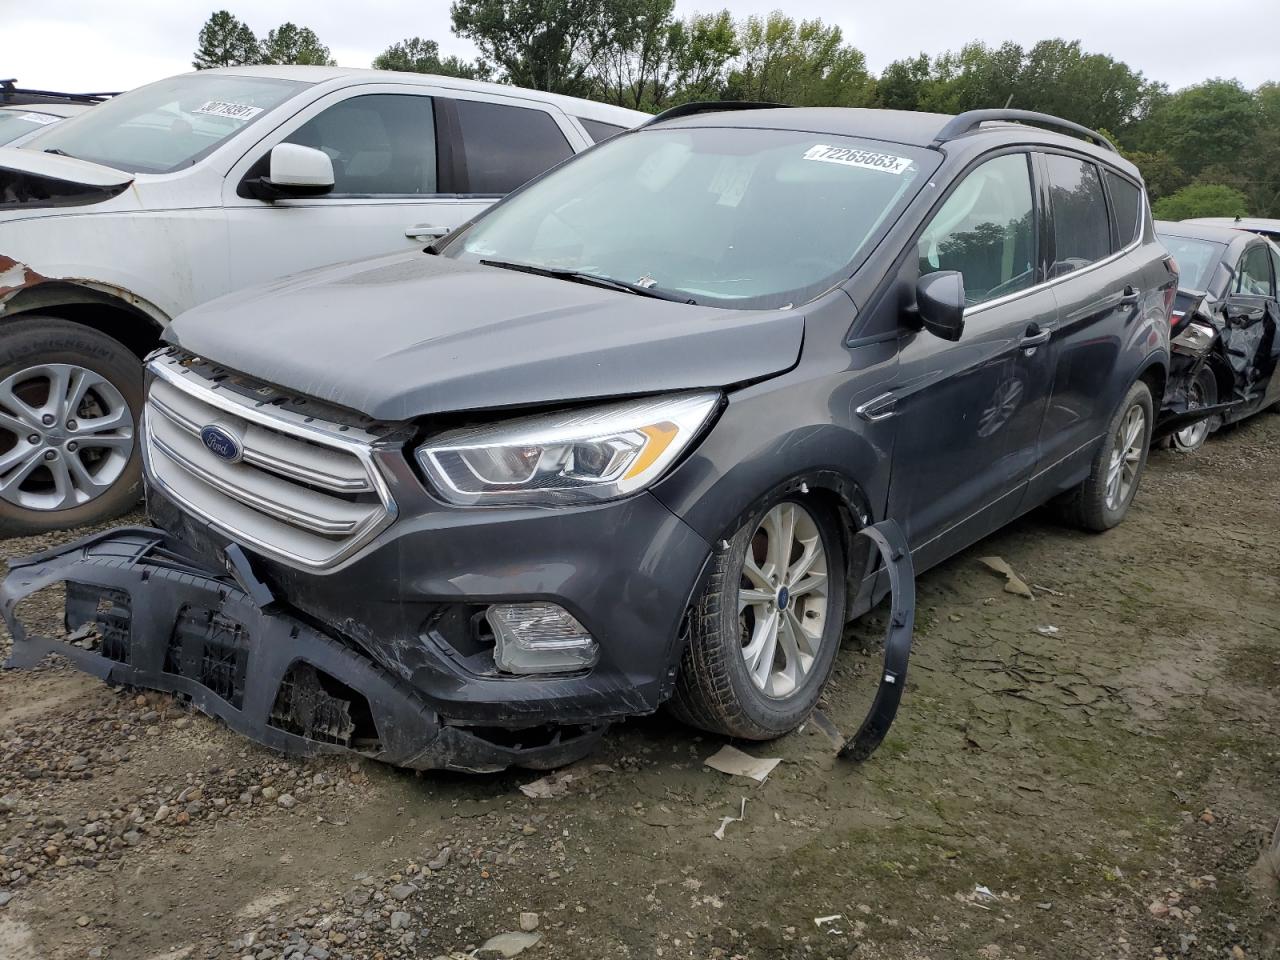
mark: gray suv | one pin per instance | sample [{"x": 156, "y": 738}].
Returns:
[{"x": 611, "y": 444}]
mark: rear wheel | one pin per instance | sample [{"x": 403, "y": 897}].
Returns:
[
  {"x": 70, "y": 403},
  {"x": 764, "y": 632},
  {"x": 1103, "y": 499},
  {"x": 1203, "y": 392}
]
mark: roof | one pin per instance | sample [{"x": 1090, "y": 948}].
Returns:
[
  {"x": 895, "y": 126},
  {"x": 1240, "y": 223},
  {"x": 1203, "y": 231},
  {"x": 343, "y": 76}
]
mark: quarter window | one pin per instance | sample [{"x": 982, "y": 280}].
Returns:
[
  {"x": 380, "y": 144},
  {"x": 1081, "y": 232},
  {"x": 1253, "y": 276},
  {"x": 1126, "y": 203},
  {"x": 986, "y": 230},
  {"x": 505, "y": 147},
  {"x": 598, "y": 130}
]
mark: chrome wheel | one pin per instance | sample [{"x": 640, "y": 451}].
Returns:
[
  {"x": 1126, "y": 457},
  {"x": 66, "y": 435},
  {"x": 782, "y": 600}
]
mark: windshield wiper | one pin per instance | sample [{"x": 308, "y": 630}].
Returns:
[
  {"x": 57, "y": 153},
  {"x": 595, "y": 280}
]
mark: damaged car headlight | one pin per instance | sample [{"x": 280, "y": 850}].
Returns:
[{"x": 574, "y": 456}]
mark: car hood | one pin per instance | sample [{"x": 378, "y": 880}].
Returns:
[
  {"x": 66, "y": 169},
  {"x": 412, "y": 334},
  {"x": 32, "y": 179}
]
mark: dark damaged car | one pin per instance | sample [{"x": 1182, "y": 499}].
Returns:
[
  {"x": 1226, "y": 340},
  {"x": 616, "y": 443}
]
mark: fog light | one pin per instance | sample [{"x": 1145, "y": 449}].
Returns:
[{"x": 539, "y": 638}]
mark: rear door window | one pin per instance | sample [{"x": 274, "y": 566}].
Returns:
[
  {"x": 1126, "y": 206},
  {"x": 1081, "y": 231},
  {"x": 381, "y": 144},
  {"x": 505, "y": 147},
  {"x": 986, "y": 230}
]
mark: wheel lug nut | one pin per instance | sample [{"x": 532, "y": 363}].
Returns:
[
  {"x": 47, "y": 419},
  {"x": 50, "y": 455},
  {"x": 72, "y": 445},
  {"x": 71, "y": 424},
  {"x": 34, "y": 438}
]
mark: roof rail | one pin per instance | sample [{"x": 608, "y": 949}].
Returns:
[
  {"x": 11, "y": 93},
  {"x": 711, "y": 106},
  {"x": 970, "y": 120}
]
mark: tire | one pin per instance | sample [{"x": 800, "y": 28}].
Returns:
[
  {"x": 54, "y": 476},
  {"x": 1203, "y": 392},
  {"x": 715, "y": 690},
  {"x": 1090, "y": 506}
]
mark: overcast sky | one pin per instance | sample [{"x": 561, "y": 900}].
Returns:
[{"x": 95, "y": 45}]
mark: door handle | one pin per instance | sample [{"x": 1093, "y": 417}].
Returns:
[
  {"x": 1129, "y": 296},
  {"x": 880, "y": 408},
  {"x": 1035, "y": 336},
  {"x": 425, "y": 231}
]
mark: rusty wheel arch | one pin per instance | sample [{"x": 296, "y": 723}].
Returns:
[{"x": 110, "y": 309}]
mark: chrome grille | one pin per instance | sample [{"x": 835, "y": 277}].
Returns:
[{"x": 302, "y": 490}]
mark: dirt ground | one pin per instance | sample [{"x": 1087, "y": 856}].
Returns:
[{"x": 1105, "y": 789}]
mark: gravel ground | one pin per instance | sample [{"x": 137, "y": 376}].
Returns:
[{"x": 1103, "y": 789}]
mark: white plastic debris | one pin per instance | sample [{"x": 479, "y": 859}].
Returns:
[
  {"x": 819, "y": 921},
  {"x": 734, "y": 762},
  {"x": 983, "y": 893},
  {"x": 1048, "y": 630},
  {"x": 725, "y": 821}
]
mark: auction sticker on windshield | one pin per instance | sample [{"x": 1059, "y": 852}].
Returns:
[
  {"x": 851, "y": 157},
  {"x": 233, "y": 111},
  {"x": 43, "y": 119}
]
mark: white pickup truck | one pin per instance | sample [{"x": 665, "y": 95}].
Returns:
[{"x": 115, "y": 221}]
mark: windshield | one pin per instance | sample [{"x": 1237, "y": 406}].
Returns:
[
  {"x": 167, "y": 125},
  {"x": 18, "y": 123},
  {"x": 1196, "y": 260},
  {"x": 728, "y": 216}
]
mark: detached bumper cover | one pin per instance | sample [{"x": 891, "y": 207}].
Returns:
[{"x": 143, "y": 611}]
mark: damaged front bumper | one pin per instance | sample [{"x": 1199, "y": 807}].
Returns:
[{"x": 143, "y": 611}]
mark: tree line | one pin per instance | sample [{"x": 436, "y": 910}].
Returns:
[{"x": 1212, "y": 149}]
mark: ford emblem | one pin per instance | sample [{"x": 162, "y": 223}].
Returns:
[{"x": 222, "y": 443}]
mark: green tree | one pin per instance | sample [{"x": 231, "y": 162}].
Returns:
[
  {"x": 630, "y": 65},
  {"x": 1163, "y": 176},
  {"x": 1211, "y": 123},
  {"x": 289, "y": 43},
  {"x": 905, "y": 84},
  {"x": 416, "y": 55},
  {"x": 699, "y": 52},
  {"x": 1201, "y": 200},
  {"x": 225, "y": 42},
  {"x": 805, "y": 64},
  {"x": 541, "y": 44}
]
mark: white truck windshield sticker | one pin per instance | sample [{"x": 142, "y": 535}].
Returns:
[
  {"x": 232, "y": 111},
  {"x": 865, "y": 159},
  {"x": 40, "y": 118}
]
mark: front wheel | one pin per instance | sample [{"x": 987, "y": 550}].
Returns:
[
  {"x": 70, "y": 402},
  {"x": 1203, "y": 392},
  {"x": 764, "y": 631},
  {"x": 1103, "y": 499}
]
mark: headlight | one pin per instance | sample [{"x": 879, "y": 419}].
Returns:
[{"x": 575, "y": 457}]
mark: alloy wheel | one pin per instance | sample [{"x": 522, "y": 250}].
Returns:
[
  {"x": 66, "y": 435},
  {"x": 1126, "y": 457},
  {"x": 1197, "y": 433},
  {"x": 783, "y": 599}
]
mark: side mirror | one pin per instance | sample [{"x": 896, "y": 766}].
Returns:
[
  {"x": 940, "y": 303},
  {"x": 296, "y": 171}
]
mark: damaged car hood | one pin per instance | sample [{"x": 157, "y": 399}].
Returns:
[
  {"x": 412, "y": 334},
  {"x": 32, "y": 178}
]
